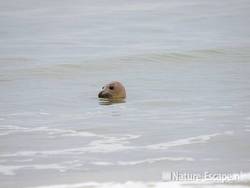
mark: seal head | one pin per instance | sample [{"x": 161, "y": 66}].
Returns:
[{"x": 113, "y": 90}]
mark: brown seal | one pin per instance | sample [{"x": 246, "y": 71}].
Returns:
[{"x": 113, "y": 90}]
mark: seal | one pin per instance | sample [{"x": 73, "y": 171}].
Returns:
[{"x": 113, "y": 90}]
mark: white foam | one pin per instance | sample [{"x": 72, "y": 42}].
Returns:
[
  {"x": 109, "y": 144},
  {"x": 138, "y": 162},
  {"x": 23, "y": 160},
  {"x": 112, "y": 144},
  {"x": 9, "y": 170},
  {"x": 103, "y": 163},
  {"x": 44, "y": 113},
  {"x": 186, "y": 141},
  {"x": 22, "y": 114},
  {"x": 8, "y": 129},
  {"x": 11, "y": 129},
  {"x": 153, "y": 160},
  {"x": 106, "y": 144},
  {"x": 63, "y": 132},
  {"x": 58, "y": 167},
  {"x": 245, "y": 177},
  {"x": 140, "y": 184}
]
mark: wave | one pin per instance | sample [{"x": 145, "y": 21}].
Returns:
[
  {"x": 106, "y": 144},
  {"x": 243, "y": 182},
  {"x": 10, "y": 170},
  {"x": 11, "y": 129},
  {"x": 149, "y": 161},
  {"x": 118, "y": 143},
  {"x": 125, "y": 62},
  {"x": 187, "y": 141}
]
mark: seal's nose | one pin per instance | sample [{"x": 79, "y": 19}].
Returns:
[
  {"x": 103, "y": 94},
  {"x": 100, "y": 95}
]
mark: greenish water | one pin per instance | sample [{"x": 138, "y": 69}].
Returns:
[{"x": 185, "y": 66}]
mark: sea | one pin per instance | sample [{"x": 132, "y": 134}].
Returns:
[{"x": 185, "y": 65}]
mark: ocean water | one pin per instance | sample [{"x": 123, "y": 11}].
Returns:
[{"x": 186, "y": 69}]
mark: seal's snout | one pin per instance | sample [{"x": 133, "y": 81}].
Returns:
[
  {"x": 103, "y": 94},
  {"x": 100, "y": 94}
]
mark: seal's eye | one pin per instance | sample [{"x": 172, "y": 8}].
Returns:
[
  {"x": 103, "y": 87},
  {"x": 111, "y": 87}
]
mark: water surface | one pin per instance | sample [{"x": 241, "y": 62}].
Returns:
[{"x": 186, "y": 69}]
